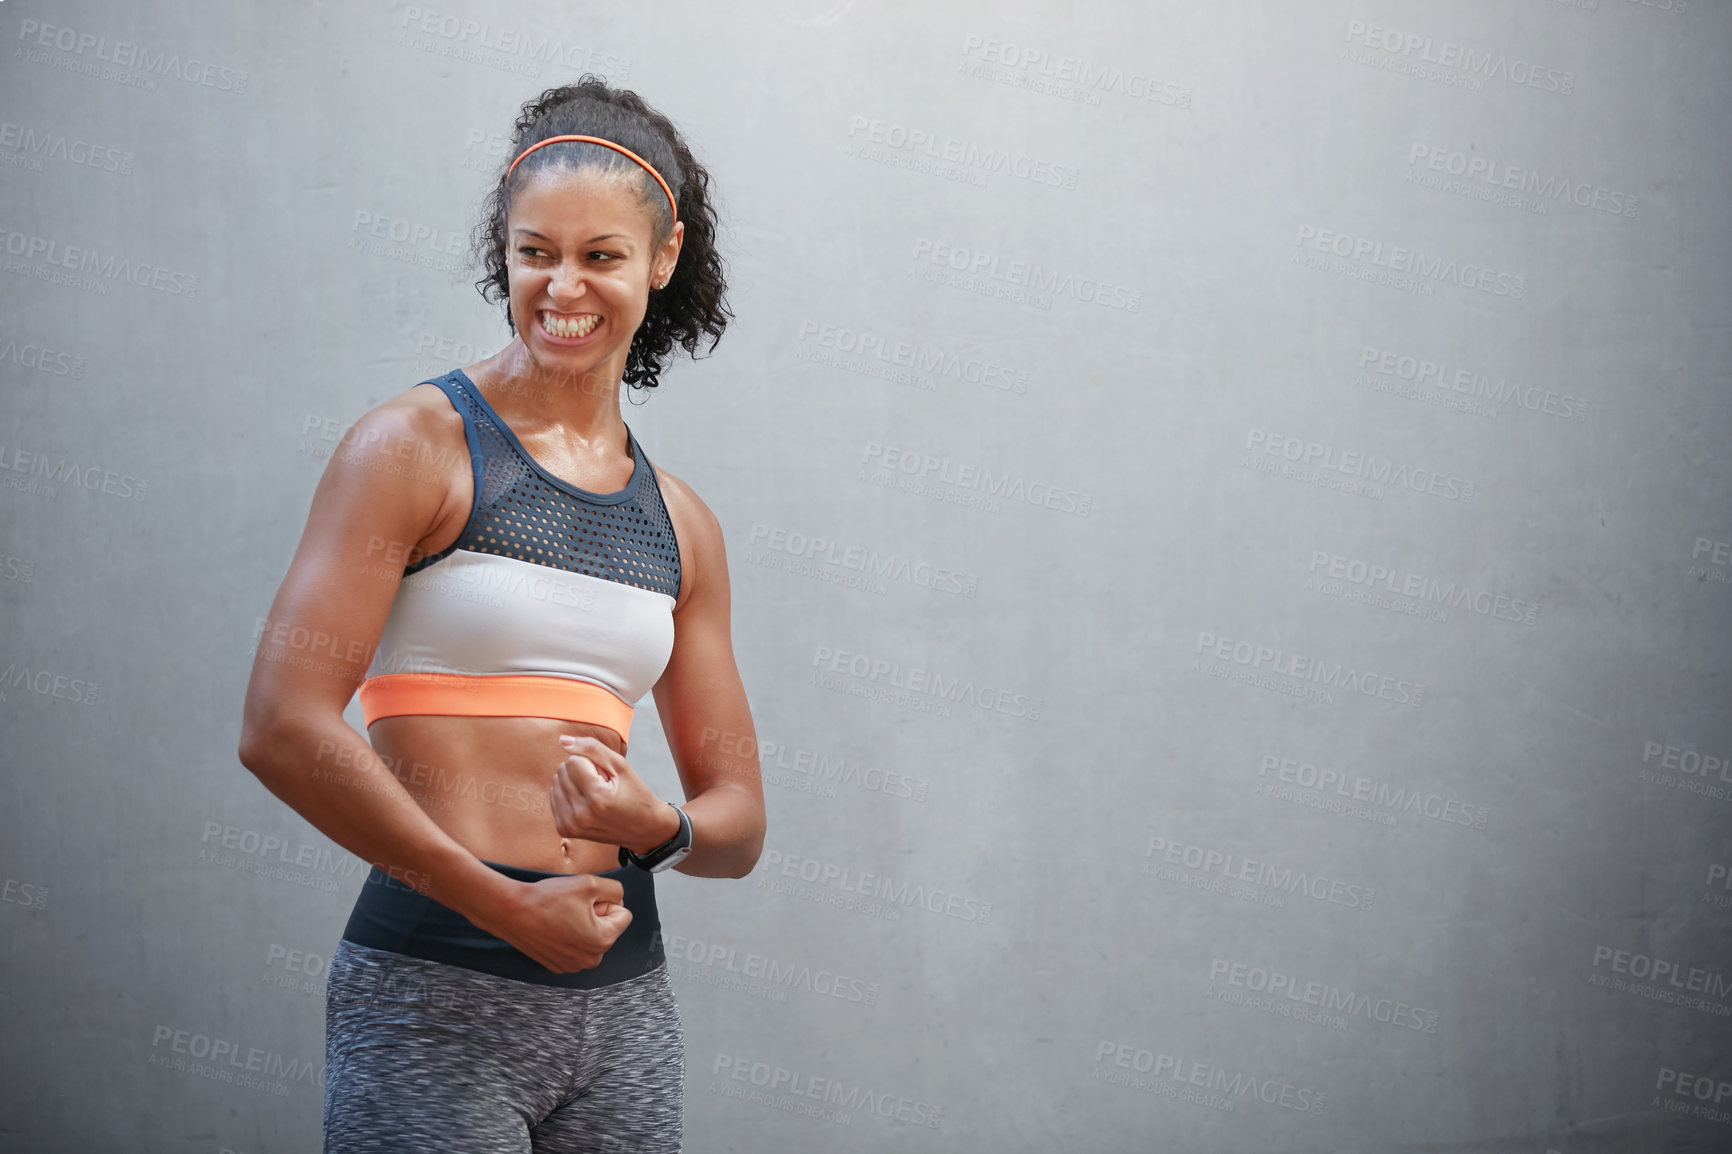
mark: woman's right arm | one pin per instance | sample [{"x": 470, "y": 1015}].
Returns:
[{"x": 376, "y": 500}]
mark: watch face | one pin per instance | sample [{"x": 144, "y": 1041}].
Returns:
[{"x": 669, "y": 853}]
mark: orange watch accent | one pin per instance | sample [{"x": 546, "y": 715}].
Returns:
[{"x": 501, "y": 695}]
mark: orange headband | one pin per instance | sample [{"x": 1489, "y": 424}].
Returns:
[{"x": 619, "y": 148}]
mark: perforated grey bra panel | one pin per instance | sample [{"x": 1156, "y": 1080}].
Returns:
[{"x": 518, "y": 513}]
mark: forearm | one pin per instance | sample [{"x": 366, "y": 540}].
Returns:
[
  {"x": 327, "y": 773},
  {"x": 727, "y": 832}
]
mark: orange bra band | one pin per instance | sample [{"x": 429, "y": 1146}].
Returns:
[
  {"x": 500, "y": 695},
  {"x": 619, "y": 148}
]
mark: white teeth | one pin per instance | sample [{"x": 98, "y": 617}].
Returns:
[{"x": 572, "y": 328}]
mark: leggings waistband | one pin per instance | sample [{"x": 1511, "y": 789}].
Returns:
[{"x": 389, "y": 915}]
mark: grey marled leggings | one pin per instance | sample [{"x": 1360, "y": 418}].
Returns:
[{"x": 424, "y": 1056}]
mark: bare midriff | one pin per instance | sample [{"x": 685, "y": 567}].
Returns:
[{"x": 485, "y": 781}]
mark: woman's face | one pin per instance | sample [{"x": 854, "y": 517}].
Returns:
[{"x": 580, "y": 264}]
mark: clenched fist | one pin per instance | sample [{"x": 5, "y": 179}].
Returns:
[{"x": 597, "y": 796}]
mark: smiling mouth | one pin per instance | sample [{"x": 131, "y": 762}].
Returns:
[{"x": 570, "y": 327}]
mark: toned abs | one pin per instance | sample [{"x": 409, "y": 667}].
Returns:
[{"x": 485, "y": 780}]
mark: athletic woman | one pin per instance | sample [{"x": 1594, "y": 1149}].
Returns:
[{"x": 495, "y": 566}]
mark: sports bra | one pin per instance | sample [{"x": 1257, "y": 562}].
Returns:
[{"x": 553, "y": 601}]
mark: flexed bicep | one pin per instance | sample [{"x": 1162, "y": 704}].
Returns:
[{"x": 369, "y": 517}]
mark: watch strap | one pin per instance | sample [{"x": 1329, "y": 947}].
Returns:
[{"x": 663, "y": 855}]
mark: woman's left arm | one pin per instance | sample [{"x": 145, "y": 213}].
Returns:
[
  {"x": 598, "y": 796},
  {"x": 704, "y": 711}
]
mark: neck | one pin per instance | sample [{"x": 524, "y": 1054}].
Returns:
[{"x": 585, "y": 403}]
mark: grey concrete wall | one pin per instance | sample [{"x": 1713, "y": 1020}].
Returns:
[{"x": 1227, "y": 510}]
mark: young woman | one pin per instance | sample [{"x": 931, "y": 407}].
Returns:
[{"x": 496, "y": 567}]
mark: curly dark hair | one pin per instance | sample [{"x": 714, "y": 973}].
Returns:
[{"x": 694, "y": 302}]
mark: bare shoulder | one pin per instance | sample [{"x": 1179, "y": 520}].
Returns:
[
  {"x": 421, "y": 411},
  {"x": 703, "y": 555},
  {"x": 403, "y": 467},
  {"x": 413, "y": 440},
  {"x": 682, "y": 500}
]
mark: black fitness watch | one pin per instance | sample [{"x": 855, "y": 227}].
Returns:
[{"x": 666, "y": 855}]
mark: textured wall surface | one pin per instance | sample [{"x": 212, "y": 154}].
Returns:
[{"x": 1228, "y": 516}]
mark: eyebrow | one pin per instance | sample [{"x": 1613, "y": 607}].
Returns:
[{"x": 591, "y": 240}]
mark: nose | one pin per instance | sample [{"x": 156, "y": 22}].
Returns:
[{"x": 566, "y": 285}]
